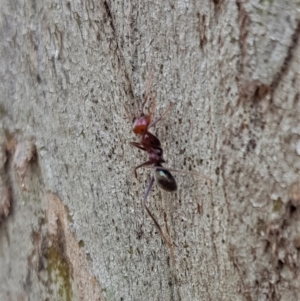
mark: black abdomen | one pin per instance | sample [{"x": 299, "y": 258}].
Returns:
[{"x": 165, "y": 180}]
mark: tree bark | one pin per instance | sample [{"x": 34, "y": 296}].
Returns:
[{"x": 73, "y": 75}]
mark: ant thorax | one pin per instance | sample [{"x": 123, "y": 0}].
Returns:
[{"x": 156, "y": 155}]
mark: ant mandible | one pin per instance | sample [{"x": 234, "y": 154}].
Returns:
[{"x": 151, "y": 144}]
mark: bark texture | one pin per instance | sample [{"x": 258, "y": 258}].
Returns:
[{"x": 73, "y": 75}]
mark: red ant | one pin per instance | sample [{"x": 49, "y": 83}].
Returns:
[{"x": 151, "y": 144}]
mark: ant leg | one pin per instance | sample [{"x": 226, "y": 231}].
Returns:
[
  {"x": 138, "y": 145},
  {"x": 161, "y": 116},
  {"x": 144, "y": 203},
  {"x": 165, "y": 240},
  {"x": 195, "y": 173},
  {"x": 142, "y": 165}
]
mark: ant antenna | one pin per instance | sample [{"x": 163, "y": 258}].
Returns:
[
  {"x": 153, "y": 123},
  {"x": 148, "y": 88}
]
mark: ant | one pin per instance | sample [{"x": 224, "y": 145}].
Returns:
[{"x": 151, "y": 144}]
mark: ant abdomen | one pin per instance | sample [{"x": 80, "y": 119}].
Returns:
[{"x": 164, "y": 179}]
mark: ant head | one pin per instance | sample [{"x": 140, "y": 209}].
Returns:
[{"x": 140, "y": 124}]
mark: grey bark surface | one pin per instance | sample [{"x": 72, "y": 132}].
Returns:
[{"x": 73, "y": 75}]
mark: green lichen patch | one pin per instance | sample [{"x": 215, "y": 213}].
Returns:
[
  {"x": 277, "y": 205},
  {"x": 59, "y": 274}
]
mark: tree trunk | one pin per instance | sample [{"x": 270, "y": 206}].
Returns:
[{"x": 74, "y": 74}]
